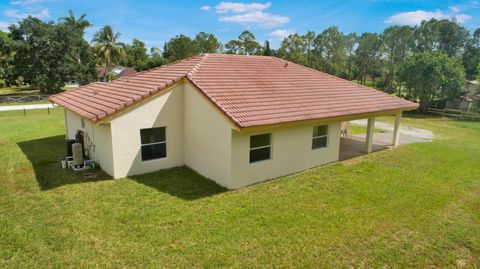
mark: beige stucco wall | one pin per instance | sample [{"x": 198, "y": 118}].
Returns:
[
  {"x": 291, "y": 152},
  {"x": 207, "y": 138},
  {"x": 96, "y": 139},
  {"x": 199, "y": 136},
  {"x": 165, "y": 110}
]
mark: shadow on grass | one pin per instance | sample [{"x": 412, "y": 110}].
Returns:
[
  {"x": 181, "y": 182},
  {"x": 45, "y": 155}
]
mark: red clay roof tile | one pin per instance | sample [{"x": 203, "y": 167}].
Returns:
[{"x": 250, "y": 90}]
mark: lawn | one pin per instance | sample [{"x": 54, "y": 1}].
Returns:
[{"x": 414, "y": 206}]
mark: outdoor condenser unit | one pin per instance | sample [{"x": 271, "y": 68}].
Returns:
[{"x": 77, "y": 154}]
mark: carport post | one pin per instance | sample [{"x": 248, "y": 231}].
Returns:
[
  {"x": 369, "y": 138},
  {"x": 396, "y": 128}
]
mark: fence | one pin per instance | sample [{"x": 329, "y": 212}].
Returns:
[
  {"x": 23, "y": 98},
  {"x": 454, "y": 113}
]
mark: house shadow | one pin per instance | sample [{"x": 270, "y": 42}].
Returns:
[
  {"x": 45, "y": 155},
  {"x": 181, "y": 182}
]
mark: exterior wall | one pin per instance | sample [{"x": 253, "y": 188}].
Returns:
[
  {"x": 96, "y": 139},
  {"x": 207, "y": 138},
  {"x": 291, "y": 152},
  {"x": 166, "y": 110}
]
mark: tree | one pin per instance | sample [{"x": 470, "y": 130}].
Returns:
[
  {"x": 136, "y": 55},
  {"x": 47, "y": 55},
  {"x": 351, "y": 41},
  {"x": 108, "y": 47},
  {"x": 6, "y": 60},
  {"x": 178, "y": 48},
  {"x": 432, "y": 77},
  {"x": 246, "y": 44},
  {"x": 367, "y": 56},
  {"x": 441, "y": 35},
  {"x": 155, "y": 58},
  {"x": 266, "y": 49},
  {"x": 294, "y": 48},
  {"x": 80, "y": 23},
  {"x": 471, "y": 56},
  {"x": 397, "y": 43},
  {"x": 206, "y": 43},
  {"x": 330, "y": 47}
]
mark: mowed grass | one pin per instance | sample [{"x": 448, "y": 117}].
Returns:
[{"x": 414, "y": 206}]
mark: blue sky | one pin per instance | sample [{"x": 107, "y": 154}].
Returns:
[{"x": 154, "y": 22}]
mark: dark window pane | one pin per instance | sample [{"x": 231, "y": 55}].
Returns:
[
  {"x": 155, "y": 151},
  {"x": 152, "y": 135},
  {"x": 259, "y": 154},
  {"x": 319, "y": 142},
  {"x": 259, "y": 140},
  {"x": 320, "y": 130}
]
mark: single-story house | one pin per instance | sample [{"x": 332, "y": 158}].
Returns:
[{"x": 234, "y": 119}]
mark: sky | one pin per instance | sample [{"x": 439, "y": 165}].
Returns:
[{"x": 155, "y": 22}]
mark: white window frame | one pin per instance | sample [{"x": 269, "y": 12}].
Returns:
[
  {"x": 320, "y": 136},
  {"x": 154, "y": 143},
  {"x": 262, "y": 147}
]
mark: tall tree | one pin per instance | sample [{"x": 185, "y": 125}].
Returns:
[
  {"x": 397, "y": 43},
  {"x": 108, "y": 47},
  {"x": 49, "y": 54},
  {"x": 294, "y": 48},
  {"x": 266, "y": 49},
  {"x": 246, "y": 44},
  {"x": 471, "y": 56},
  {"x": 330, "y": 47},
  {"x": 368, "y": 56},
  {"x": 178, "y": 48},
  {"x": 207, "y": 43},
  {"x": 155, "y": 58},
  {"x": 71, "y": 20},
  {"x": 350, "y": 46},
  {"x": 431, "y": 77},
  {"x": 136, "y": 55},
  {"x": 6, "y": 60}
]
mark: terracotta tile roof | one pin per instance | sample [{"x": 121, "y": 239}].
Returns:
[{"x": 250, "y": 90}]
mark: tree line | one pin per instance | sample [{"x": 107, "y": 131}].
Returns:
[{"x": 427, "y": 63}]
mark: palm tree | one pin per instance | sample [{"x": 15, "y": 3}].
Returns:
[
  {"x": 80, "y": 23},
  {"x": 108, "y": 48}
]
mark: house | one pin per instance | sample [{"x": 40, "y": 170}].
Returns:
[
  {"x": 234, "y": 119},
  {"x": 469, "y": 99},
  {"x": 116, "y": 72}
]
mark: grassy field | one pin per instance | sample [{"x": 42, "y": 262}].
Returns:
[
  {"x": 18, "y": 90},
  {"x": 414, "y": 206}
]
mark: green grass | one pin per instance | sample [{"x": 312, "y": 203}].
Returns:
[
  {"x": 18, "y": 90},
  {"x": 359, "y": 129},
  {"x": 415, "y": 206}
]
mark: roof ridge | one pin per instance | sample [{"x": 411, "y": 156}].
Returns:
[{"x": 195, "y": 68}]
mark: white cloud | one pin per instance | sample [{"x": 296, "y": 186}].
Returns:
[
  {"x": 416, "y": 17},
  {"x": 281, "y": 33},
  {"x": 4, "y": 26},
  {"x": 206, "y": 8},
  {"x": 454, "y": 9},
  {"x": 26, "y": 2},
  {"x": 14, "y": 13},
  {"x": 250, "y": 14},
  {"x": 236, "y": 7},
  {"x": 258, "y": 18}
]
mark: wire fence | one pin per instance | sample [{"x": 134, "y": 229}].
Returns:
[
  {"x": 454, "y": 113},
  {"x": 23, "y": 98}
]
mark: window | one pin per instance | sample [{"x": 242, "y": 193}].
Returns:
[
  {"x": 82, "y": 121},
  {"x": 260, "y": 147},
  {"x": 320, "y": 135},
  {"x": 154, "y": 143}
]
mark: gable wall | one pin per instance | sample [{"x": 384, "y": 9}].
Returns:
[{"x": 165, "y": 110}]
